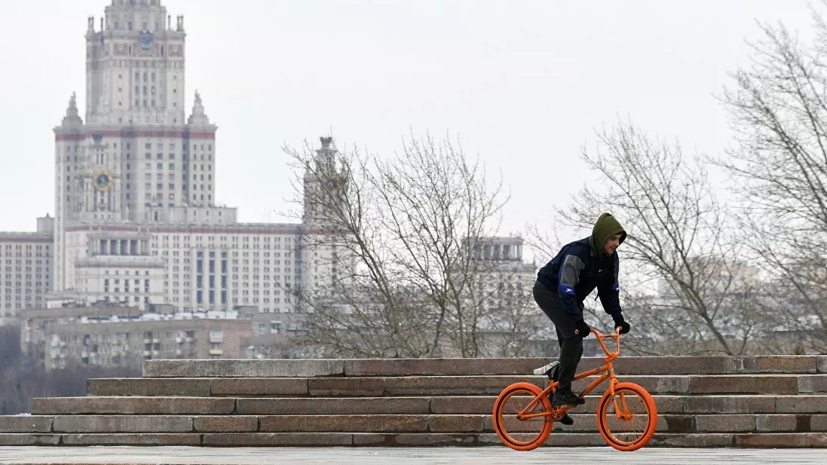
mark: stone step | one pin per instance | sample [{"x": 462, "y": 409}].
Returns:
[
  {"x": 628, "y": 365},
  {"x": 441, "y": 385},
  {"x": 810, "y": 404},
  {"x": 428, "y": 423},
  {"x": 559, "y": 439}
]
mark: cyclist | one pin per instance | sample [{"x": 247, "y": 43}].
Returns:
[{"x": 560, "y": 289}]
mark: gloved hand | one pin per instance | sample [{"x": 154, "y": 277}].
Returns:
[
  {"x": 620, "y": 322},
  {"x": 583, "y": 330}
]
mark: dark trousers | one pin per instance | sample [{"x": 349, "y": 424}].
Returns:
[{"x": 571, "y": 345}]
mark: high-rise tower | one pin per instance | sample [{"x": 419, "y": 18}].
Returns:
[{"x": 136, "y": 159}]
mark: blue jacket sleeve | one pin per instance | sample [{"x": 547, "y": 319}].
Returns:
[
  {"x": 609, "y": 291},
  {"x": 569, "y": 276}
]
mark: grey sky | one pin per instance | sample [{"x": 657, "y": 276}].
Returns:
[{"x": 523, "y": 84}]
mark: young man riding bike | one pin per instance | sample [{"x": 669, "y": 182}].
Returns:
[{"x": 564, "y": 283}]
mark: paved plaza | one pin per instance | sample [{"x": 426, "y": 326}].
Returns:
[{"x": 404, "y": 456}]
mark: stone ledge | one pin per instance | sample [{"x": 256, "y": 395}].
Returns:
[
  {"x": 25, "y": 439},
  {"x": 277, "y": 439},
  {"x": 760, "y": 384},
  {"x": 25, "y": 424},
  {"x": 141, "y": 439},
  {"x": 226, "y": 424},
  {"x": 179, "y": 387},
  {"x": 122, "y": 424},
  {"x": 559, "y": 439},
  {"x": 241, "y": 368},
  {"x": 689, "y": 365},
  {"x": 132, "y": 405},
  {"x": 775, "y": 440},
  {"x": 351, "y": 406},
  {"x": 259, "y": 386},
  {"x": 344, "y": 423}
]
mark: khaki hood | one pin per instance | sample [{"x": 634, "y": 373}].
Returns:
[{"x": 605, "y": 227}]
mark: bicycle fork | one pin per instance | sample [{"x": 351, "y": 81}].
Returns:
[{"x": 621, "y": 413}]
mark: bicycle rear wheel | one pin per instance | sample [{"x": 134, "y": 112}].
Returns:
[
  {"x": 516, "y": 433},
  {"x": 627, "y": 420}
]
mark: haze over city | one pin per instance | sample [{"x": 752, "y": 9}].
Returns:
[{"x": 522, "y": 84}]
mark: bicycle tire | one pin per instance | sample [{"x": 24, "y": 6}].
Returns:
[
  {"x": 500, "y": 424},
  {"x": 649, "y": 407}
]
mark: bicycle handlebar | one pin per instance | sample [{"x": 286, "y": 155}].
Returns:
[{"x": 616, "y": 337}]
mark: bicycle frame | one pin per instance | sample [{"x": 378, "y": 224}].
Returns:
[{"x": 608, "y": 373}]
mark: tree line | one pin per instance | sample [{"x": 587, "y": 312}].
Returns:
[{"x": 707, "y": 270}]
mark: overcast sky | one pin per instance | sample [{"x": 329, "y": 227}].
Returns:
[{"x": 522, "y": 84}]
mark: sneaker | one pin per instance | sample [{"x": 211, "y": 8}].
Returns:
[
  {"x": 567, "y": 420},
  {"x": 549, "y": 370},
  {"x": 567, "y": 399}
]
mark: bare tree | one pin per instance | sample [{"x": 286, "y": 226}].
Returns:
[
  {"x": 394, "y": 239},
  {"x": 778, "y": 106},
  {"x": 679, "y": 247}
]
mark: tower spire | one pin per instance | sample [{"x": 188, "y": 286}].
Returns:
[
  {"x": 72, "y": 118},
  {"x": 198, "y": 115}
]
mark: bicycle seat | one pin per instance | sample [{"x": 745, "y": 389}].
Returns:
[{"x": 549, "y": 370}]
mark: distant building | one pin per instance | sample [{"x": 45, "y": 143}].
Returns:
[
  {"x": 137, "y": 221},
  {"x": 111, "y": 336},
  {"x": 36, "y": 325},
  {"x": 25, "y": 269}
]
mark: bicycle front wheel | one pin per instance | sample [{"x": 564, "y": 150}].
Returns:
[
  {"x": 627, "y": 420},
  {"x": 522, "y": 433}
]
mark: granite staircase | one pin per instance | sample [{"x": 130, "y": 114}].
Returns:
[{"x": 772, "y": 401}]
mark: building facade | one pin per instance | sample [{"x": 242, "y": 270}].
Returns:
[
  {"x": 137, "y": 221},
  {"x": 114, "y": 336},
  {"x": 26, "y": 261}
]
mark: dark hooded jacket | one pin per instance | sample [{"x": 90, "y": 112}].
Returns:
[{"x": 582, "y": 266}]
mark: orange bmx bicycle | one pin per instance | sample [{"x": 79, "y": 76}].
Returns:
[{"x": 626, "y": 414}]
